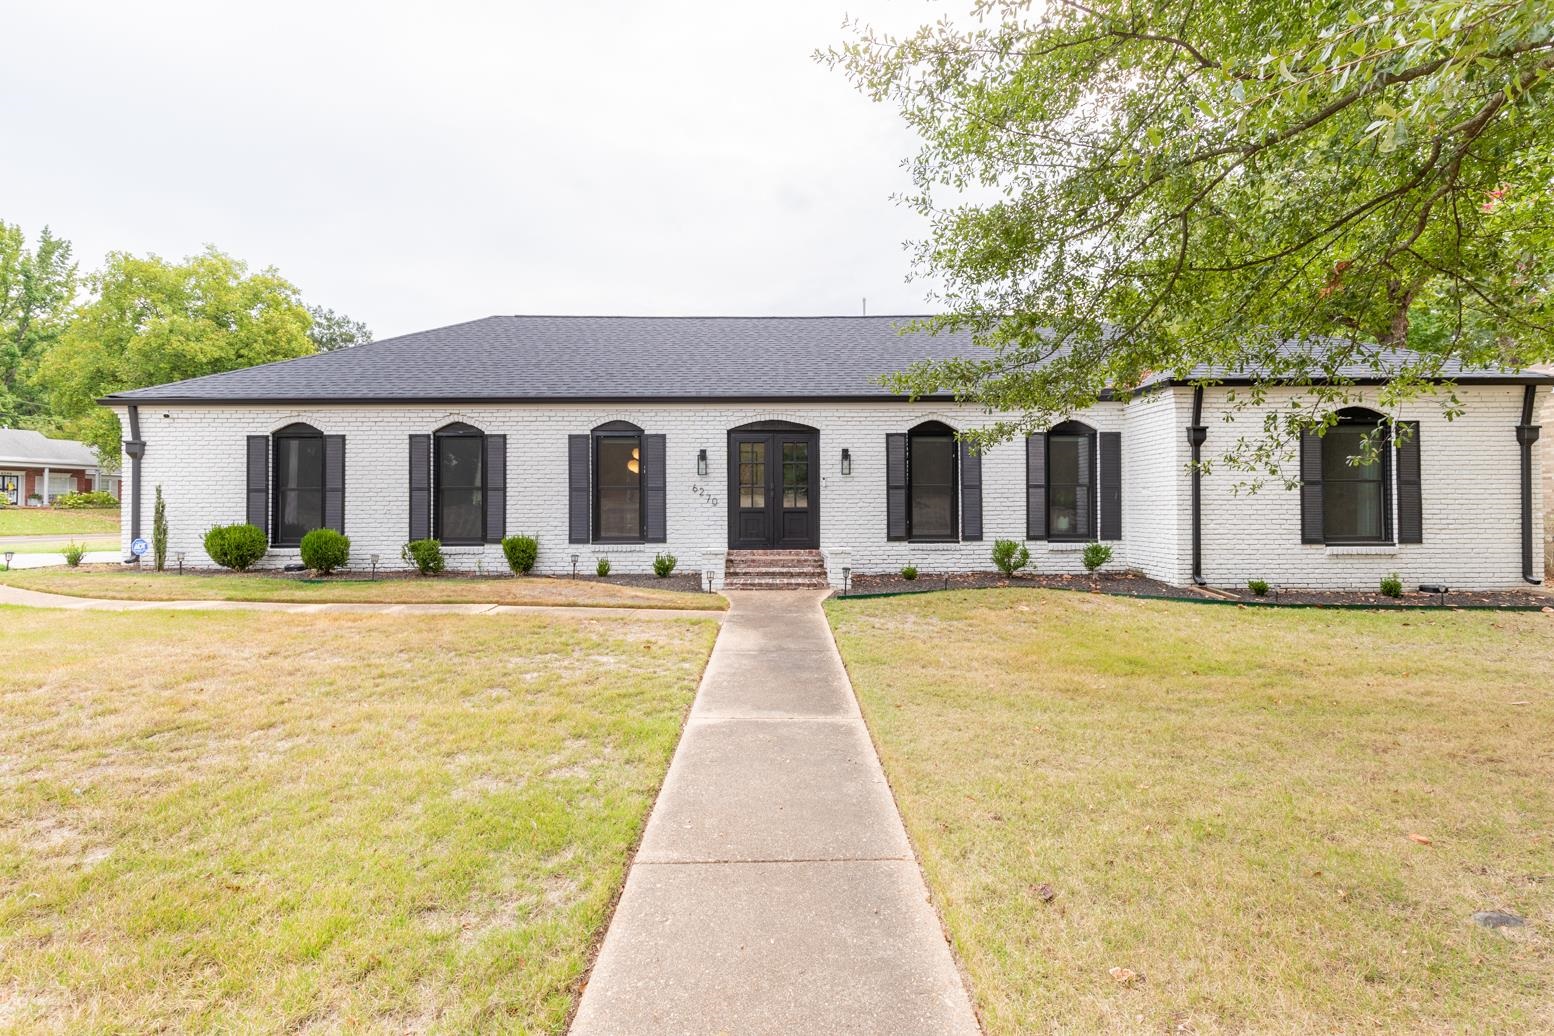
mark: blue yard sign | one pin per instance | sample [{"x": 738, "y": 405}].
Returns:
[{"x": 139, "y": 546}]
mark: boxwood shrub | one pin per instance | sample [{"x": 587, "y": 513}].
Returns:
[
  {"x": 425, "y": 555},
  {"x": 324, "y": 550},
  {"x": 521, "y": 552},
  {"x": 95, "y": 498},
  {"x": 236, "y": 547}
]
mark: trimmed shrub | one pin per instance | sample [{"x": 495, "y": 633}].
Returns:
[
  {"x": 1096, "y": 555},
  {"x": 74, "y": 501},
  {"x": 425, "y": 555},
  {"x": 1392, "y": 585},
  {"x": 602, "y": 569},
  {"x": 1259, "y": 587},
  {"x": 1010, "y": 556},
  {"x": 521, "y": 551},
  {"x": 909, "y": 573},
  {"x": 233, "y": 546},
  {"x": 74, "y": 553},
  {"x": 663, "y": 564},
  {"x": 324, "y": 550}
]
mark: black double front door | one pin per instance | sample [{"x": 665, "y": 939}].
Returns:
[{"x": 773, "y": 487}]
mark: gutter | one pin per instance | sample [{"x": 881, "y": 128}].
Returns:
[
  {"x": 1196, "y": 434},
  {"x": 1526, "y": 435},
  {"x": 136, "y": 448}
]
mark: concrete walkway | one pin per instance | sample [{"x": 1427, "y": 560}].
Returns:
[
  {"x": 39, "y": 599},
  {"x": 775, "y": 890}
]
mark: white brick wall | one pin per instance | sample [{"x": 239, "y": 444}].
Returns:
[{"x": 197, "y": 455}]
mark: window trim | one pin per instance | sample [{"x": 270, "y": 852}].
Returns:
[
  {"x": 617, "y": 430},
  {"x": 295, "y": 430},
  {"x": 456, "y": 430},
  {"x": 1366, "y": 420},
  {"x": 1070, "y": 430},
  {"x": 934, "y": 430}
]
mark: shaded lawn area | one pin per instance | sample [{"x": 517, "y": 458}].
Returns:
[
  {"x": 1223, "y": 801},
  {"x": 49, "y": 521},
  {"x": 58, "y": 546},
  {"x": 346, "y": 822},
  {"x": 114, "y": 582}
]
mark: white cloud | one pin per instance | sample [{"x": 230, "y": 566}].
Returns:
[{"x": 415, "y": 165}]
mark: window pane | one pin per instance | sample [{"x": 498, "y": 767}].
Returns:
[
  {"x": 1338, "y": 445},
  {"x": 1063, "y": 517},
  {"x": 619, "y": 481},
  {"x": 299, "y": 463},
  {"x": 300, "y": 511},
  {"x": 462, "y": 514},
  {"x": 752, "y": 474},
  {"x": 460, "y": 483},
  {"x": 459, "y": 460},
  {"x": 1353, "y": 511},
  {"x": 1063, "y": 459},
  {"x": 932, "y": 460},
  {"x": 795, "y": 475}
]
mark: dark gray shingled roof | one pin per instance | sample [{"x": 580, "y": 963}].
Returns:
[{"x": 540, "y": 358}]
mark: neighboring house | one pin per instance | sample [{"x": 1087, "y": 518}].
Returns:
[
  {"x": 621, "y": 437},
  {"x": 34, "y": 469}
]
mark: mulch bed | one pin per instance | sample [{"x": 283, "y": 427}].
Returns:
[{"x": 1130, "y": 584}]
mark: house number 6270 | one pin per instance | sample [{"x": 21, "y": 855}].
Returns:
[{"x": 712, "y": 501}]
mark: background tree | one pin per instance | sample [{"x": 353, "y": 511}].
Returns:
[
  {"x": 37, "y": 287},
  {"x": 1120, "y": 187},
  {"x": 151, "y": 321},
  {"x": 331, "y": 330}
]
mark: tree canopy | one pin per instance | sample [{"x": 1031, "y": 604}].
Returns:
[
  {"x": 37, "y": 288},
  {"x": 1121, "y": 187},
  {"x": 151, "y": 321},
  {"x": 331, "y": 330}
]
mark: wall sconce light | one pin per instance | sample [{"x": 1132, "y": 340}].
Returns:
[
  {"x": 847, "y": 461},
  {"x": 701, "y": 462}
]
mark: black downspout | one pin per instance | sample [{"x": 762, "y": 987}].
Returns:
[
  {"x": 136, "y": 450},
  {"x": 1196, "y": 433},
  {"x": 1526, "y": 435}
]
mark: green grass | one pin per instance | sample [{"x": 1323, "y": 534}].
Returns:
[
  {"x": 226, "y": 822},
  {"x": 48, "y": 521},
  {"x": 1223, "y": 801},
  {"x": 57, "y": 546},
  {"x": 116, "y": 583}
]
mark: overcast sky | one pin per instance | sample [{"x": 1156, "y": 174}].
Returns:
[{"x": 419, "y": 164}]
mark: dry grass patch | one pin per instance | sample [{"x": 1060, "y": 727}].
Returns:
[
  {"x": 115, "y": 583},
  {"x": 49, "y": 521},
  {"x": 1223, "y": 802},
  {"x": 58, "y": 546},
  {"x": 240, "y": 822}
]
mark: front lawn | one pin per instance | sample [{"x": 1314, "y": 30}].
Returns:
[
  {"x": 236, "y": 823},
  {"x": 49, "y": 521},
  {"x": 58, "y": 546},
  {"x": 1274, "y": 821},
  {"x": 118, "y": 583}
]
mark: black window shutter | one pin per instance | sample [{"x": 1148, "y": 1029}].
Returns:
[
  {"x": 895, "y": 486},
  {"x": 578, "y": 503},
  {"x": 1111, "y": 485},
  {"x": 420, "y": 487},
  {"x": 654, "y": 479},
  {"x": 1410, "y": 500},
  {"x": 334, "y": 482},
  {"x": 259, "y": 482},
  {"x": 970, "y": 493},
  {"x": 496, "y": 488},
  {"x": 1311, "y": 487},
  {"x": 1036, "y": 486}
]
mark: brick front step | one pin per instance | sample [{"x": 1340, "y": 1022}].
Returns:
[
  {"x": 774, "y": 570},
  {"x": 774, "y": 583}
]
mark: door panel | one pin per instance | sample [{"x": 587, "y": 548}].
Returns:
[{"x": 773, "y": 490}]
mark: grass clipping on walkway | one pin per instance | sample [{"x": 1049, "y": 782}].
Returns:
[
  {"x": 1155, "y": 817},
  {"x": 115, "y": 583},
  {"x": 233, "y": 822}
]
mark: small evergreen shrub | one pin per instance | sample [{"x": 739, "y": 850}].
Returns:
[
  {"x": 1010, "y": 556},
  {"x": 232, "y": 546},
  {"x": 425, "y": 555},
  {"x": 324, "y": 550},
  {"x": 602, "y": 569},
  {"x": 663, "y": 564},
  {"x": 75, "y": 501},
  {"x": 909, "y": 573},
  {"x": 74, "y": 553},
  {"x": 159, "y": 532},
  {"x": 1096, "y": 555},
  {"x": 1392, "y": 585},
  {"x": 1259, "y": 587},
  {"x": 521, "y": 551}
]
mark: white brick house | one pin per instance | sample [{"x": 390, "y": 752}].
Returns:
[{"x": 625, "y": 437}]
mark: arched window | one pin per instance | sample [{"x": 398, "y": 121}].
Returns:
[
  {"x": 299, "y": 482},
  {"x": 459, "y": 481},
  {"x": 618, "y": 498},
  {"x": 1357, "y": 495},
  {"x": 931, "y": 482},
  {"x": 1071, "y": 482}
]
